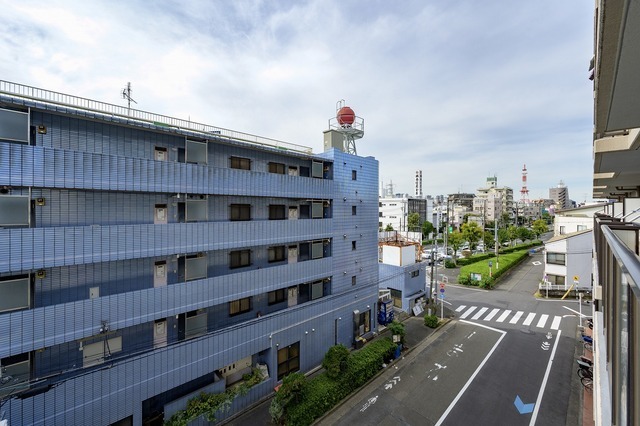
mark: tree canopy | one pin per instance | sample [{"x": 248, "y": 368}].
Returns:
[
  {"x": 472, "y": 233},
  {"x": 413, "y": 222},
  {"x": 427, "y": 228},
  {"x": 539, "y": 227}
]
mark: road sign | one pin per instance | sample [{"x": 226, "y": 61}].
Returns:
[
  {"x": 442, "y": 290},
  {"x": 442, "y": 286}
]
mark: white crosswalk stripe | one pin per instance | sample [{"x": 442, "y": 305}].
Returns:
[
  {"x": 491, "y": 314},
  {"x": 468, "y": 312},
  {"x": 529, "y": 319},
  {"x": 542, "y": 321},
  {"x": 499, "y": 315},
  {"x": 479, "y": 313},
  {"x": 503, "y": 317},
  {"x": 516, "y": 317}
]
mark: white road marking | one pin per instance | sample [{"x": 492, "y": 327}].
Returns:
[
  {"x": 575, "y": 312},
  {"x": 491, "y": 314},
  {"x": 475, "y": 373},
  {"x": 468, "y": 312},
  {"x": 542, "y": 321},
  {"x": 460, "y": 308},
  {"x": 555, "y": 325},
  {"x": 529, "y": 319},
  {"x": 479, "y": 313},
  {"x": 504, "y": 316},
  {"x": 516, "y": 317},
  {"x": 534, "y": 416}
]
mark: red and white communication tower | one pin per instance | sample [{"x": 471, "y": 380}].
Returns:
[
  {"x": 524, "y": 192},
  {"x": 348, "y": 124}
]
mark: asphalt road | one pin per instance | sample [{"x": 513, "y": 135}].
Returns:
[{"x": 506, "y": 359}]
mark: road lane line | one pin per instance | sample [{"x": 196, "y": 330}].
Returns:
[
  {"x": 555, "y": 325},
  {"x": 516, "y": 317},
  {"x": 542, "y": 321},
  {"x": 468, "y": 312},
  {"x": 534, "y": 416},
  {"x": 479, "y": 313},
  {"x": 504, "y": 316},
  {"x": 460, "y": 308},
  {"x": 529, "y": 319},
  {"x": 475, "y": 373},
  {"x": 491, "y": 314}
]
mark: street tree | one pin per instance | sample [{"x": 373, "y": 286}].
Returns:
[
  {"x": 524, "y": 234},
  {"x": 455, "y": 241},
  {"x": 512, "y": 232},
  {"x": 539, "y": 227},
  {"x": 503, "y": 236},
  {"x": 388, "y": 228},
  {"x": 472, "y": 233},
  {"x": 427, "y": 228},
  {"x": 413, "y": 222}
]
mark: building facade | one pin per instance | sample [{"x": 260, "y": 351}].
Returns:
[
  {"x": 616, "y": 137},
  {"x": 395, "y": 211},
  {"x": 504, "y": 194},
  {"x": 147, "y": 258},
  {"x": 560, "y": 194}
]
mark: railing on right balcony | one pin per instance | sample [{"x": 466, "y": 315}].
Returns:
[{"x": 617, "y": 279}]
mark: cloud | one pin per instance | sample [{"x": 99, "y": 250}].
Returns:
[{"x": 461, "y": 90}]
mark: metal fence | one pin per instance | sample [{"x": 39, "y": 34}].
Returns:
[{"x": 57, "y": 98}]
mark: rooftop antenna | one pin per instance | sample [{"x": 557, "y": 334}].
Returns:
[{"x": 126, "y": 94}]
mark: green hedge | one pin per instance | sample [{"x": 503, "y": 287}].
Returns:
[
  {"x": 475, "y": 258},
  {"x": 506, "y": 262},
  {"x": 321, "y": 393}
]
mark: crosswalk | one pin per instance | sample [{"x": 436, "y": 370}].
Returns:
[{"x": 476, "y": 313}]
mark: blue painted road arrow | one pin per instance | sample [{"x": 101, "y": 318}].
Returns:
[{"x": 522, "y": 407}]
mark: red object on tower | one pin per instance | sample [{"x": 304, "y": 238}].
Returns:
[
  {"x": 524, "y": 192},
  {"x": 346, "y": 116}
]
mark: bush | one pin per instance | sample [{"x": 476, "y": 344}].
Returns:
[
  {"x": 335, "y": 361},
  {"x": 363, "y": 364},
  {"x": 397, "y": 328},
  {"x": 431, "y": 321},
  {"x": 506, "y": 261},
  {"x": 291, "y": 392},
  {"x": 449, "y": 264},
  {"x": 322, "y": 394}
]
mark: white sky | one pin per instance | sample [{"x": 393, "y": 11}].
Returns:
[{"x": 459, "y": 89}]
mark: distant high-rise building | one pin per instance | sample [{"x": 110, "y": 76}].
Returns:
[
  {"x": 560, "y": 194},
  {"x": 419, "y": 183}
]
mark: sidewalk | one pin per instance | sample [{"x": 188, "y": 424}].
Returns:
[{"x": 416, "y": 333}]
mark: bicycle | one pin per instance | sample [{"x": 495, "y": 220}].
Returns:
[
  {"x": 585, "y": 369},
  {"x": 588, "y": 342},
  {"x": 587, "y": 382}
]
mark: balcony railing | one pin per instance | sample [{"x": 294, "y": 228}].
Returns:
[
  {"x": 62, "y": 99},
  {"x": 618, "y": 274}
]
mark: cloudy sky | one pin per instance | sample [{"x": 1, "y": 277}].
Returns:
[{"x": 459, "y": 89}]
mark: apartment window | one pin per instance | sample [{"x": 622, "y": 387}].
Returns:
[
  {"x": 582, "y": 228},
  {"x": 562, "y": 230},
  {"x": 14, "y": 126},
  {"x": 316, "y": 250},
  {"x": 196, "y": 152},
  {"x": 239, "y": 258},
  {"x": 240, "y": 212},
  {"x": 353, "y": 210},
  {"x": 240, "y": 163},
  {"x": 195, "y": 323},
  {"x": 556, "y": 279},
  {"x": 276, "y": 254},
  {"x": 277, "y": 168},
  {"x": 14, "y": 210},
  {"x": 316, "y": 210},
  {"x": 353, "y": 245},
  {"x": 288, "y": 360},
  {"x": 240, "y": 306},
  {"x": 354, "y": 175},
  {"x": 363, "y": 322},
  {"x": 277, "y": 212},
  {"x": 316, "y": 169},
  {"x": 317, "y": 290},
  {"x": 353, "y": 280},
  {"x": 160, "y": 153},
  {"x": 195, "y": 267},
  {"x": 15, "y": 294},
  {"x": 95, "y": 353},
  {"x": 556, "y": 258},
  {"x": 415, "y": 273},
  {"x": 277, "y": 296},
  {"x": 196, "y": 210}
]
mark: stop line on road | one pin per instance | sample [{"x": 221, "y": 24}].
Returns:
[{"x": 514, "y": 317}]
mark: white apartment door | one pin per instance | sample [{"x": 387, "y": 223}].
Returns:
[
  {"x": 160, "y": 214},
  {"x": 293, "y": 254},
  {"x": 160, "y": 274},
  {"x": 160, "y": 333},
  {"x": 292, "y": 297}
]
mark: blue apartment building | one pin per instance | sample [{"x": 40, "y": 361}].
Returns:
[{"x": 144, "y": 259}]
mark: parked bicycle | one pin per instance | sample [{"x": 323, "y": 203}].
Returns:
[
  {"x": 588, "y": 342},
  {"x": 585, "y": 368}
]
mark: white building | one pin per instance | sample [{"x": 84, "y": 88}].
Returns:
[
  {"x": 574, "y": 220},
  {"x": 568, "y": 260}
]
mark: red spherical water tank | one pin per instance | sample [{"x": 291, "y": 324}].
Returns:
[{"x": 346, "y": 116}]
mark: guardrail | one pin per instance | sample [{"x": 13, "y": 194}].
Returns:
[{"x": 62, "y": 99}]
